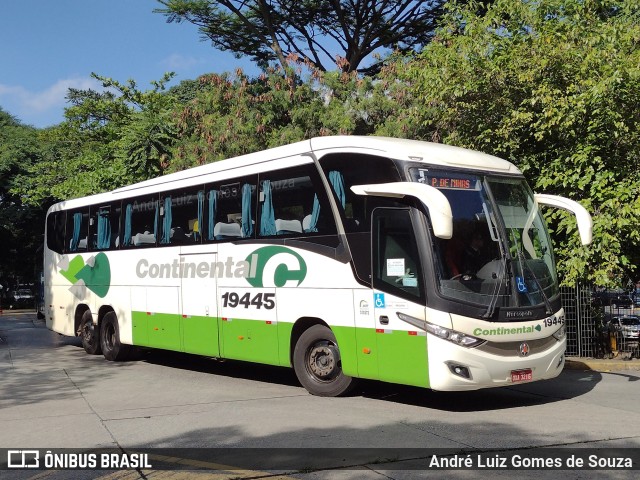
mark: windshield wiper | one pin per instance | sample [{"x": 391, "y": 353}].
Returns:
[
  {"x": 493, "y": 231},
  {"x": 491, "y": 309},
  {"x": 523, "y": 264}
]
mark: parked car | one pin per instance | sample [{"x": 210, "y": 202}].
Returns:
[
  {"x": 626, "y": 326},
  {"x": 21, "y": 298},
  {"x": 613, "y": 298},
  {"x": 635, "y": 295}
]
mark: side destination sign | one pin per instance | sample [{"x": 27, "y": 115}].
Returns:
[{"x": 267, "y": 266}]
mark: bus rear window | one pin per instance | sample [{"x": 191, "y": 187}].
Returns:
[{"x": 55, "y": 231}]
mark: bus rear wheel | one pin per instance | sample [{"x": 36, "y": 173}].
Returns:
[
  {"x": 316, "y": 361},
  {"x": 112, "y": 348},
  {"x": 90, "y": 334}
]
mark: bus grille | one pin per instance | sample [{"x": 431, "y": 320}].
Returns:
[{"x": 512, "y": 349}]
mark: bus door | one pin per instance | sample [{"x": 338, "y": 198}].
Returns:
[
  {"x": 199, "y": 321},
  {"x": 247, "y": 312},
  {"x": 397, "y": 288}
]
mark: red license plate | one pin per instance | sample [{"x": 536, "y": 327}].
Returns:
[{"x": 521, "y": 375}]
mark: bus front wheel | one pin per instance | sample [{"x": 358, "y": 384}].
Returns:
[
  {"x": 112, "y": 349},
  {"x": 316, "y": 361},
  {"x": 90, "y": 334}
]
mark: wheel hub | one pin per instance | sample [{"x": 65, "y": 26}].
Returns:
[
  {"x": 322, "y": 361},
  {"x": 87, "y": 332}
]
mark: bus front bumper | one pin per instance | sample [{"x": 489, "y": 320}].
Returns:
[{"x": 455, "y": 368}]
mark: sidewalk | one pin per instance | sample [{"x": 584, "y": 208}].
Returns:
[{"x": 601, "y": 364}]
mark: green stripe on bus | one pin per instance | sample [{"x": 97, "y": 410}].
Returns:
[
  {"x": 157, "y": 330},
  {"x": 250, "y": 340},
  {"x": 200, "y": 335},
  {"x": 402, "y": 358},
  {"x": 394, "y": 356}
]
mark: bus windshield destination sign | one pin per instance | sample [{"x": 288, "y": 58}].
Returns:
[{"x": 443, "y": 181}]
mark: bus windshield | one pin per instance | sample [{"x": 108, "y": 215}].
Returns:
[{"x": 500, "y": 252}]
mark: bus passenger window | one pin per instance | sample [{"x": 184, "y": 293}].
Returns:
[
  {"x": 104, "y": 226},
  {"x": 345, "y": 170},
  {"x": 140, "y": 226},
  {"x": 293, "y": 202},
  {"x": 229, "y": 210},
  {"x": 181, "y": 215},
  {"x": 77, "y": 231}
]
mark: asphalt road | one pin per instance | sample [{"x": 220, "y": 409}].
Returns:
[{"x": 53, "y": 395}]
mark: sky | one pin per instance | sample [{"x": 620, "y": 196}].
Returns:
[{"x": 47, "y": 46}]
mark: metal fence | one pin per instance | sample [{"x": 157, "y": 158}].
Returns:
[
  {"x": 580, "y": 321},
  {"x": 587, "y": 317}
]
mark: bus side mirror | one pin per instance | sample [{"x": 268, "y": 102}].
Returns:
[
  {"x": 435, "y": 201},
  {"x": 585, "y": 223}
]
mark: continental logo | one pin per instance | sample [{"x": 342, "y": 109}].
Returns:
[
  {"x": 485, "y": 332},
  {"x": 272, "y": 266}
]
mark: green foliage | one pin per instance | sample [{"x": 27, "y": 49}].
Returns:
[
  {"x": 317, "y": 32},
  {"x": 554, "y": 86},
  {"x": 109, "y": 139},
  {"x": 236, "y": 115},
  {"x": 20, "y": 225},
  {"x": 18, "y": 149}
]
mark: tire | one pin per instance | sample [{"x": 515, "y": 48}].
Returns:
[
  {"x": 90, "y": 334},
  {"x": 316, "y": 361},
  {"x": 112, "y": 349}
]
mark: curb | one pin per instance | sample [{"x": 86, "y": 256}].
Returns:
[
  {"x": 24, "y": 311},
  {"x": 599, "y": 365}
]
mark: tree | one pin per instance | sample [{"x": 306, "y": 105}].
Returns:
[
  {"x": 20, "y": 225},
  {"x": 108, "y": 139},
  {"x": 554, "y": 86},
  {"x": 316, "y": 32},
  {"x": 234, "y": 114}
]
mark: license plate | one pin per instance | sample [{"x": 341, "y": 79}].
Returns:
[{"x": 521, "y": 375}]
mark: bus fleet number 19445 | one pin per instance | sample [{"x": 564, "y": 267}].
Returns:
[{"x": 259, "y": 300}]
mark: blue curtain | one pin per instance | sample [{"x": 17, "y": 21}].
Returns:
[
  {"x": 104, "y": 229},
  {"x": 155, "y": 221},
  {"x": 166, "y": 223},
  {"x": 213, "y": 200},
  {"x": 77, "y": 224},
  {"x": 337, "y": 182},
  {"x": 198, "y": 235},
  {"x": 126, "y": 240},
  {"x": 267, "y": 219},
  {"x": 247, "y": 219},
  {"x": 315, "y": 214}
]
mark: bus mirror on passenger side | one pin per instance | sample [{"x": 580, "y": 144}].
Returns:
[
  {"x": 435, "y": 201},
  {"x": 585, "y": 223}
]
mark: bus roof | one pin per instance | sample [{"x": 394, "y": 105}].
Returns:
[
  {"x": 416, "y": 150},
  {"x": 395, "y": 148}
]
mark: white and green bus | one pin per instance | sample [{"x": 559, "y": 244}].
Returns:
[{"x": 345, "y": 257}]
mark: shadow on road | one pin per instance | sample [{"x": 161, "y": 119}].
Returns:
[{"x": 537, "y": 393}]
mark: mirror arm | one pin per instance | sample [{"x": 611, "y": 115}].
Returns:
[
  {"x": 435, "y": 201},
  {"x": 585, "y": 222}
]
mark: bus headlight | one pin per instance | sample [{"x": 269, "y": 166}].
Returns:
[
  {"x": 560, "y": 333},
  {"x": 453, "y": 336}
]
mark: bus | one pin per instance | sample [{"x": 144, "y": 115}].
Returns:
[{"x": 343, "y": 257}]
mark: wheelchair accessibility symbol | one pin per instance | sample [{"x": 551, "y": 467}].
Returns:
[
  {"x": 522, "y": 287},
  {"x": 378, "y": 300}
]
